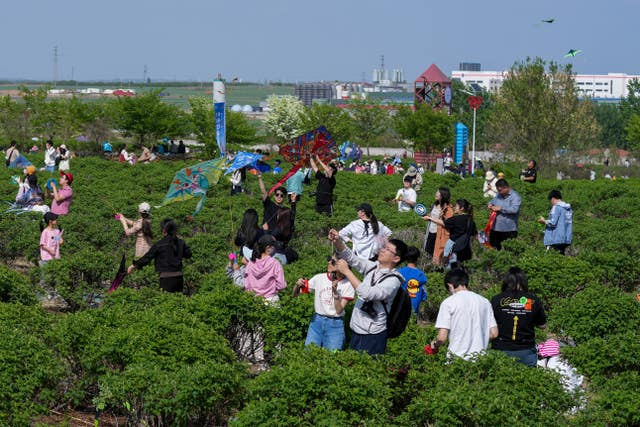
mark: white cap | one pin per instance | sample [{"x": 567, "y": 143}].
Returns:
[{"x": 144, "y": 207}]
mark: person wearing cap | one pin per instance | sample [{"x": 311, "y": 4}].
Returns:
[
  {"x": 415, "y": 176},
  {"x": 167, "y": 255},
  {"x": 465, "y": 319},
  {"x": 406, "y": 197},
  {"x": 517, "y": 312},
  {"x": 29, "y": 192},
  {"x": 62, "y": 196},
  {"x": 140, "y": 227},
  {"x": 507, "y": 205},
  {"x": 264, "y": 275},
  {"x": 375, "y": 291},
  {"x": 558, "y": 231},
  {"x": 326, "y": 183},
  {"x": 367, "y": 233},
  {"x": 331, "y": 294},
  {"x": 64, "y": 157},
  {"x": 49, "y": 156},
  {"x": 50, "y": 238},
  {"x": 489, "y": 186}
]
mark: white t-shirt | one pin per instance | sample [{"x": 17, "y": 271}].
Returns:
[
  {"x": 468, "y": 317},
  {"x": 365, "y": 243},
  {"x": 408, "y": 194},
  {"x": 323, "y": 294},
  {"x": 435, "y": 213}
]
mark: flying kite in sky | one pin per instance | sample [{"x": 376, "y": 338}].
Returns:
[
  {"x": 298, "y": 151},
  {"x": 194, "y": 181},
  {"x": 572, "y": 53},
  {"x": 548, "y": 21}
]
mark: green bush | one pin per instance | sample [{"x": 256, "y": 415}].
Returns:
[
  {"x": 615, "y": 401},
  {"x": 14, "y": 287}
]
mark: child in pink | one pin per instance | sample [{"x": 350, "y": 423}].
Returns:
[{"x": 50, "y": 239}]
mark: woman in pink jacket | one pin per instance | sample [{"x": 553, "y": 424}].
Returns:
[{"x": 264, "y": 275}]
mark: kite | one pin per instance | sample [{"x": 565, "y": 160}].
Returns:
[
  {"x": 548, "y": 21},
  {"x": 242, "y": 159},
  {"x": 120, "y": 275},
  {"x": 298, "y": 151},
  {"x": 483, "y": 236},
  {"x": 350, "y": 151},
  {"x": 194, "y": 181},
  {"x": 572, "y": 53}
]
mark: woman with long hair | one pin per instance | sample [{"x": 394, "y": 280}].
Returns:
[
  {"x": 437, "y": 234},
  {"x": 264, "y": 274},
  {"x": 518, "y": 312},
  {"x": 140, "y": 227},
  {"x": 367, "y": 233},
  {"x": 461, "y": 228},
  {"x": 167, "y": 255},
  {"x": 249, "y": 231}
]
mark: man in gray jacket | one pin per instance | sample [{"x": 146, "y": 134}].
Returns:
[
  {"x": 375, "y": 292},
  {"x": 507, "y": 206}
]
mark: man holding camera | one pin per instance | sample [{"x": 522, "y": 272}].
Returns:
[
  {"x": 375, "y": 292},
  {"x": 332, "y": 291}
]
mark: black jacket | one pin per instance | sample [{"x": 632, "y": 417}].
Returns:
[{"x": 163, "y": 254}]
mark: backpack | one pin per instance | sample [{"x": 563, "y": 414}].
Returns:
[{"x": 400, "y": 313}]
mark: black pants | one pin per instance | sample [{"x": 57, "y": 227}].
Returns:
[
  {"x": 560, "y": 247},
  {"x": 497, "y": 237},
  {"x": 172, "y": 284},
  {"x": 328, "y": 209},
  {"x": 430, "y": 244}
]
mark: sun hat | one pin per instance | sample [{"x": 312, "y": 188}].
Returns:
[
  {"x": 489, "y": 175},
  {"x": 144, "y": 207}
]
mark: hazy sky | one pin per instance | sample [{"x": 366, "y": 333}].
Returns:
[{"x": 300, "y": 40}]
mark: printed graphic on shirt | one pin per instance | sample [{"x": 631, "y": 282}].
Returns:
[
  {"x": 515, "y": 306},
  {"x": 413, "y": 286}
]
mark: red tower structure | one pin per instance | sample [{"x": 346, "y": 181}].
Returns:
[{"x": 433, "y": 88}]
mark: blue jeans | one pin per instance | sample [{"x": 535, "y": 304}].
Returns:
[
  {"x": 50, "y": 168},
  {"x": 528, "y": 357},
  {"x": 327, "y": 332}
]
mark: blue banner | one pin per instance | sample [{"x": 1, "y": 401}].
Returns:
[{"x": 218, "y": 109}]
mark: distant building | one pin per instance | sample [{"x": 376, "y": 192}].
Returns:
[
  {"x": 309, "y": 93},
  {"x": 470, "y": 66},
  {"x": 609, "y": 87}
]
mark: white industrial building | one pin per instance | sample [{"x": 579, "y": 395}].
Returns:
[{"x": 601, "y": 87}]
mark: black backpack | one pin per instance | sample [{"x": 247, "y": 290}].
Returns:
[{"x": 401, "y": 308}]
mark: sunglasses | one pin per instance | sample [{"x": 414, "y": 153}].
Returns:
[{"x": 279, "y": 195}]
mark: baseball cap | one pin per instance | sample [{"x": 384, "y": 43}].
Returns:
[{"x": 68, "y": 176}]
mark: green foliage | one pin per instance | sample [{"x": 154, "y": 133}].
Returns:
[
  {"x": 31, "y": 371},
  {"x": 595, "y": 312},
  {"x": 429, "y": 129},
  {"x": 611, "y": 123},
  {"x": 14, "y": 287},
  {"x": 370, "y": 121},
  {"x": 616, "y": 401},
  {"x": 618, "y": 351},
  {"x": 494, "y": 390},
  {"x": 317, "y": 387},
  {"x": 337, "y": 121}
]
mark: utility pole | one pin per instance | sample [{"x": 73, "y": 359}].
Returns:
[{"x": 55, "y": 65}]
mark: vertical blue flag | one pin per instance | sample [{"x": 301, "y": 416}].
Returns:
[{"x": 219, "y": 113}]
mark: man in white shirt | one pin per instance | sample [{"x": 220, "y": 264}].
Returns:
[
  {"x": 465, "y": 319},
  {"x": 406, "y": 197}
]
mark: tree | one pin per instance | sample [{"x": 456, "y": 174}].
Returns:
[
  {"x": 611, "y": 121},
  {"x": 147, "y": 117},
  {"x": 538, "y": 111},
  {"x": 463, "y": 112},
  {"x": 337, "y": 121},
  {"x": 284, "y": 118},
  {"x": 12, "y": 119},
  {"x": 370, "y": 121},
  {"x": 633, "y": 133},
  {"x": 429, "y": 129}
]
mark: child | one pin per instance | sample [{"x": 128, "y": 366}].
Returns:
[
  {"x": 50, "y": 239},
  {"x": 415, "y": 281}
]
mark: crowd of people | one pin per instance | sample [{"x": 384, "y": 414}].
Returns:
[{"x": 468, "y": 322}]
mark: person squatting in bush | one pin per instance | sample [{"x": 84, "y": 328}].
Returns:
[
  {"x": 140, "y": 227},
  {"x": 332, "y": 291},
  {"x": 264, "y": 275},
  {"x": 367, "y": 233},
  {"x": 167, "y": 255},
  {"x": 517, "y": 312},
  {"x": 464, "y": 318},
  {"x": 375, "y": 291}
]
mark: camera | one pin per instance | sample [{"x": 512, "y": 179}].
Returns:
[
  {"x": 368, "y": 308},
  {"x": 331, "y": 260}
]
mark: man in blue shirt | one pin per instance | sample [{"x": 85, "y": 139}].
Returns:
[{"x": 507, "y": 206}]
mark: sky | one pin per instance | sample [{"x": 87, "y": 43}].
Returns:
[{"x": 301, "y": 40}]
